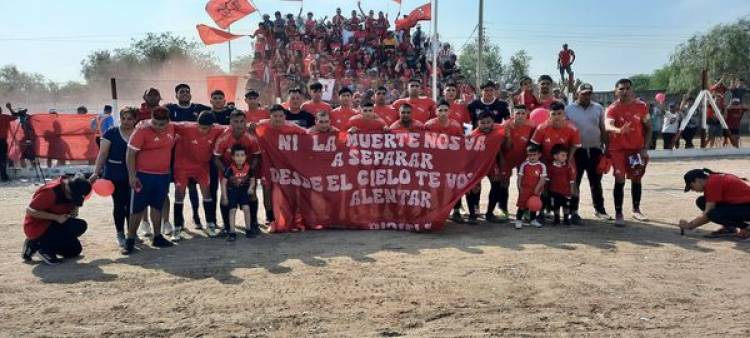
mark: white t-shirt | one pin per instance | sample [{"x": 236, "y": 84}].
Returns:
[{"x": 671, "y": 122}]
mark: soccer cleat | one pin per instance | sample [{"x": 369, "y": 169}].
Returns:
[
  {"x": 48, "y": 257},
  {"x": 567, "y": 220},
  {"x": 619, "y": 220},
  {"x": 210, "y": 229},
  {"x": 129, "y": 246},
  {"x": 160, "y": 242},
  {"x": 504, "y": 216},
  {"x": 575, "y": 218},
  {"x": 253, "y": 232},
  {"x": 603, "y": 216},
  {"x": 145, "y": 229},
  {"x": 491, "y": 218},
  {"x": 472, "y": 219},
  {"x": 638, "y": 215},
  {"x": 29, "y": 249},
  {"x": 121, "y": 239},
  {"x": 456, "y": 216},
  {"x": 177, "y": 234},
  {"x": 518, "y": 224},
  {"x": 231, "y": 237},
  {"x": 536, "y": 223},
  {"x": 167, "y": 228}
]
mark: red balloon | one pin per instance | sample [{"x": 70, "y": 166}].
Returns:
[
  {"x": 534, "y": 203},
  {"x": 660, "y": 97},
  {"x": 539, "y": 116},
  {"x": 103, "y": 187}
]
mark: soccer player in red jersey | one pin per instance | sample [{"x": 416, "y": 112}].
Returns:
[
  {"x": 629, "y": 129},
  {"x": 562, "y": 187},
  {"x": 526, "y": 95},
  {"x": 148, "y": 159},
  {"x": 565, "y": 59},
  {"x": 236, "y": 134},
  {"x": 546, "y": 95},
  {"x": 341, "y": 115},
  {"x": 422, "y": 107},
  {"x": 557, "y": 130},
  {"x": 367, "y": 120},
  {"x": 382, "y": 108},
  {"x": 322, "y": 124},
  {"x": 518, "y": 134},
  {"x": 443, "y": 124},
  {"x": 405, "y": 123},
  {"x": 238, "y": 190},
  {"x": 458, "y": 110},
  {"x": 255, "y": 112},
  {"x": 316, "y": 103},
  {"x": 532, "y": 177},
  {"x": 193, "y": 150},
  {"x": 485, "y": 125}
]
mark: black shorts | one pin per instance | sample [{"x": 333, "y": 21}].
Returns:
[
  {"x": 734, "y": 131},
  {"x": 237, "y": 197},
  {"x": 559, "y": 200}
]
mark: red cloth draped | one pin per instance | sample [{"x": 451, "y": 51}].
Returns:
[{"x": 57, "y": 136}]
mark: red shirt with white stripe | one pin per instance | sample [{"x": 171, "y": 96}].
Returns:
[{"x": 154, "y": 148}]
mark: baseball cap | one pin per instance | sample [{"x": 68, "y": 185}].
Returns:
[
  {"x": 151, "y": 91},
  {"x": 692, "y": 175},
  {"x": 585, "y": 88},
  {"x": 79, "y": 188}
]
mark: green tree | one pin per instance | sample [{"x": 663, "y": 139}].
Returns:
[
  {"x": 518, "y": 67},
  {"x": 16, "y": 85},
  {"x": 641, "y": 81},
  {"x": 492, "y": 66}
]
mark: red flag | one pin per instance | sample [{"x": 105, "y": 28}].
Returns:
[
  {"x": 420, "y": 13},
  {"x": 397, "y": 1},
  {"x": 210, "y": 35},
  {"x": 225, "y": 12},
  {"x": 225, "y": 83}
]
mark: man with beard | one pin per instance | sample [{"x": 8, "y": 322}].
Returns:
[{"x": 488, "y": 102}]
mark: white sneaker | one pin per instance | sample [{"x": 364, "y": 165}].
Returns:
[
  {"x": 603, "y": 216},
  {"x": 536, "y": 223},
  {"x": 211, "y": 229},
  {"x": 176, "y": 234},
  {"x": 145, "y": 229},
  {"x": 638, "y": 215},
  {"x": 167, "y": 228},
  {"x": 519, "y": 224},
  {"x": 121, "y": 239}
]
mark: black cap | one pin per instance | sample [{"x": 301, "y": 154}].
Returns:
[
  {"x": 585, "y": 88},
  {"x": 79, "y": 188},
  {"x": 692, "y": 175}
]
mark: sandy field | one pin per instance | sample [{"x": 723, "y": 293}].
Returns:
[{"x": 486, "y": 280}]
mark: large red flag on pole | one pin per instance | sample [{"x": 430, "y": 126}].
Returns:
[
  {"x": 420, "y": 13},
  {"x": 210, "y": 35},
  {"x": 225, "y": 12}
]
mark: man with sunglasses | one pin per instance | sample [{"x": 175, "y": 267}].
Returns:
[
  {"x": 629, "y": 131},
  {"x": 588, "y": 117}
]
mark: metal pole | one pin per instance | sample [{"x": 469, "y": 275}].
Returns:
[
  {"x": 229, "y": 29},
  {"x": 480, "y": 46},
  {"x": 115, "y": 109},
  {"x": 435, "y": 48}
]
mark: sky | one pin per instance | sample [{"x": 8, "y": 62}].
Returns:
[{"x": 611, "y": 39}]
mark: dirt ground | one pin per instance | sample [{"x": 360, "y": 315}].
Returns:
[{"x": 484, "y": 280}]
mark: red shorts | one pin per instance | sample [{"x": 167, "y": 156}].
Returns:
[
  {"x": 622, "y": 168},
  {"x": 182, "y": 176},
  {"x": 523, "y": 197}
]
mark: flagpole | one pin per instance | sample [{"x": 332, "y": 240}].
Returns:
[
  {"x": 435, "y": 47},
  {"x": 480, "y": 47},
  {"x": 229, "y": 29}
]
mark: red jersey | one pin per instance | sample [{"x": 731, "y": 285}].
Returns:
[
  {"x": 546, "y": 104},
  {"x": 48, "y": 198},
  {"x": 548, "y": 136},
  {"x": 340, "y": 117},
  {"x": 452, "y": 127},
  {"x": 5, "y": 125},
  {"x": 565, "y": 57},
  {"x": 422, "y": 108},
  {"x": 459, "y": 112},
  {"x": 364, "y": 124},
  {"x": 530, "y": 174},
  {"x": 154, "y": 148},
  {"x": 314, "y": 108},
  {"x": 733, "y": 119},
  {"x": 560, "y": 177},
  {"x": 528, "y": 99},
  {"x": 255, "y": 115},
  {"x": 726, "y": 188},
  {"x": 237, "y": 177},
  {"x": 519, "y": 139},
  {"x": 397, "y": 127},
  {"x": 387, "y": 113},
  {"x": 144, "y": 113},
  {"x": 193, "y": 149},
  {"x": 226, "y": 140},
  {"x": 633, "y": 113}
]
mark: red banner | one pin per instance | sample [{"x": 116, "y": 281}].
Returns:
[
  {"x": 57, "y": 136},
  {"x": 225, "y": 12},
  {"x": 405, "y": 181},
  {"x": 211, "y": 36},
  {"x": 225, "y": 83},
  {"x": 420, "y": 13}
]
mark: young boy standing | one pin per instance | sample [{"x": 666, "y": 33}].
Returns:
[
  {"x": 562, "y": 186},
  {"x": 237, "y": 189},
  {"x": 532, "y": 176}
]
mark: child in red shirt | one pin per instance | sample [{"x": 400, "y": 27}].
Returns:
[
  {"x": 562, "y": 186},
  {"x": 532, "y": 176},
  {"x": 237, "y": 189}
]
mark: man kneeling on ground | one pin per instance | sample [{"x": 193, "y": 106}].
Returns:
[{"x": 725, "y": 201}]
